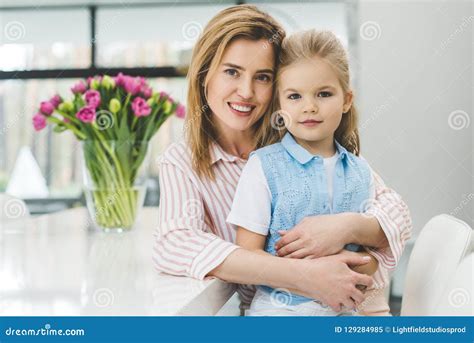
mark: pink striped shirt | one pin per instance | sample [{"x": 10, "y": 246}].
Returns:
[{"x": 193, "y": 236}]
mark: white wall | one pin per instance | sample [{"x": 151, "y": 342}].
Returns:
[{"x": 415, "y": 69}]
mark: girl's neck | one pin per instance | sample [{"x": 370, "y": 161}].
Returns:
[{"x": 325, "y": 147}]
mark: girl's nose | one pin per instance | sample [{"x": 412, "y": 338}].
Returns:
[{"x": 310, "y": 107}]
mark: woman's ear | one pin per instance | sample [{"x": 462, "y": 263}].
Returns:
[{"x": 347, "y": 101}]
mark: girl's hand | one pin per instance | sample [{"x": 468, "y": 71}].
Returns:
[
  {"x": 339, "y": 284},
  {"x": 314, "y": 236}
]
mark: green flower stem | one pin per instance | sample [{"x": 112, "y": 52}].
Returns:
[
  {"x": 111, "y": 179},
  {"x": 120, "y": 172},
  {"x": 98, "y": 194},
  {"x": 78, "y": 133}
]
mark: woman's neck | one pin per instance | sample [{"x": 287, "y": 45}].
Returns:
[
  {"x": 237, "y": 143},
  {"x": 325, "y": 147}
]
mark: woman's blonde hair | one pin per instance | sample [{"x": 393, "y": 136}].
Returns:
[
  {"x": 242, "y": 21},
  {"x": 324, "y": 44}
]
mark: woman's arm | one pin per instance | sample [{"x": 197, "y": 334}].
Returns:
[
  {"x": 385, "y": 228},
  {"x": 301, "y": 276},
  {"x": 184, "y": 244}
]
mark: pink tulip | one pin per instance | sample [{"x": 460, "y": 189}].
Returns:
[
  {"x": 140, "y": 107},
  {"x": 180, "y": 111},
  {"x": 55, "y": 101},
  {"x": 46, "y": 108},
  {"x": 79, "y": 88},
  {"x": 120, "y": 80},
  {"x": 86, "y": 114},
  {"x": 39, "y": 121},
  {"x": 146, "y": 91},
  {"x": 92, "y": 98},
  {"x": 132, "y": 85}
]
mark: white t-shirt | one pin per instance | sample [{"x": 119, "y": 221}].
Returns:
[{"x": 251, "y": 208}]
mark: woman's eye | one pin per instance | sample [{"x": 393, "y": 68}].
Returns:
[
  {"x": 231, "y": 72},
  {"x": 324, "y": 94},
  {"x": 294, "y": 96},
  {"x": 264, "y": 77}
]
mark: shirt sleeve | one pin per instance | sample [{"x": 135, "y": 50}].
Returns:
[
  {"x": 251, "y": 208},
  {"x": 184, "y": 244},
  {"x": 394, "y": 218}
]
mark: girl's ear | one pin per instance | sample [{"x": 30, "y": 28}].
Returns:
[{"x": 347, "y": 101}]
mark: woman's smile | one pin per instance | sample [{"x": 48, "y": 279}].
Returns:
[{"x": 241, "y": 109}]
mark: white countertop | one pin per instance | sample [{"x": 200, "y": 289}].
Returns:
[{"x": 56, "y": 265}]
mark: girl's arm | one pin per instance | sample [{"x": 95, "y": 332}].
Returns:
[{"x": 251, "y": 241}]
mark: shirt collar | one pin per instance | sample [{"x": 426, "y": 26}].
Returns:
[
  {"x": 217, "y": 153},
  {"x": 302, "y": 155}
]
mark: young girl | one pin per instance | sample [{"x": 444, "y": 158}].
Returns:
[{"x": 314, "y": 170}]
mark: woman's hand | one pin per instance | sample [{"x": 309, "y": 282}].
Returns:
[
  {"x": 368, "y": 269},
  {"x": 330, "y": 280},
  {"x": 314, "y": 236}
]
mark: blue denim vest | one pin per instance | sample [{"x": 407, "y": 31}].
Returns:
[{"x": 298, "y": 185}]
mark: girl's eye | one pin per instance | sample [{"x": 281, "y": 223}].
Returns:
[
  {"x": 264, "y": 78},
  {"x": 231, "y": 72},
  {"x": 324, "y": 94},
  {"x": 294, "y": 96}
]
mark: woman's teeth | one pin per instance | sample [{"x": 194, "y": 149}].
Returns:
[{"x": 241, "y": 108}]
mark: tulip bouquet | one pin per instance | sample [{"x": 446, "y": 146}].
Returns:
[{"x": 115, "y": 118}]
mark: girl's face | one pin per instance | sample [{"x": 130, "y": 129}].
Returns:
[
  {"x": 240, "y": 90},
  {"x": 312, "y": 100}
]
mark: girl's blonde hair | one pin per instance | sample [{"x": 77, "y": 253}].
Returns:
[
  {"x": 324, "y": 44},
  {"x": 242, "y": 21}
]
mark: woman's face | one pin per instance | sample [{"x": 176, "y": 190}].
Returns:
[{"x": 240, "y": 90}]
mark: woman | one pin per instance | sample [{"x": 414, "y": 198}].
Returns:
[{"x": 230, "y": 92}]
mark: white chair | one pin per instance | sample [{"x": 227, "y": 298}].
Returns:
[
  {"x": 442, "y": 253},
  {"x": 457, "y": 299},
  {"x": 12, "y": 208}
]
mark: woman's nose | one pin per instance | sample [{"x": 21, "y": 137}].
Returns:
[{"x": 245, "y": 89}]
